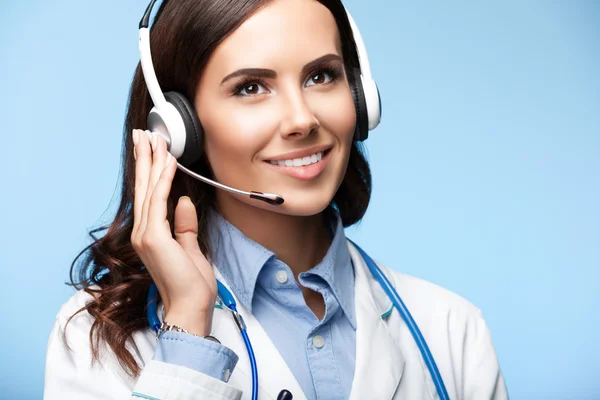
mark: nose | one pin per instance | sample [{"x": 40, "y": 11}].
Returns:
[{"x": 298, "y": 119}]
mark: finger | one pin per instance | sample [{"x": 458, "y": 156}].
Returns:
[
  {"x": 186, "y": 234},
  {"x": 143, "y": 165},
  {"x": 186, "y": 224},
  {"x": 159, "y": 153},
  {"x": 157, "y": 207}
]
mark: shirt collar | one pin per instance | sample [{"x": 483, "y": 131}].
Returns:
[
  {"x": 337, "y": 271},
  {"x": 240, "y": 260}
]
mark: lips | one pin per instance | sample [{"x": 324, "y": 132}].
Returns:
[
  {"x": 300, "y": 153},
  {"x": 303, "y": 168}
]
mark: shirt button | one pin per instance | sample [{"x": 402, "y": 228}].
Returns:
[
  {"x": 226, "y": 374},
  {"x": 281, "y": 276},
  {"x": 318, "y": 341}
]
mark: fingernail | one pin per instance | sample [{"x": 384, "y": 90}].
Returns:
[
  {"x": 184, "y": 198},
  {"x": 136, "y": 136},
  {"x": 168, "y": 158},
  {"x": 134, "y": 153}
]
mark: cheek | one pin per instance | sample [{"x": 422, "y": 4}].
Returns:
[
  {"x": 233, "y": 134},
  {"x": 337, "y": 115}
]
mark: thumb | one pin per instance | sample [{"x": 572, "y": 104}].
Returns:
[
  {"x": 186, "y": 234},
  {"x": 186, "y": 225}
]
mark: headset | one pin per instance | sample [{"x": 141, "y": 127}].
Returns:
[{"x": 173, "y": 116}]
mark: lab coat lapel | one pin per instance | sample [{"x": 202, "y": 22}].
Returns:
[
  {"x": 273, "y": 372},
  {"x": 379, "y": 360}
]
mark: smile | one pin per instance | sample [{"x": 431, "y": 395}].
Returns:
[
  {"x": 303, "y": 168},
  {"x": 299, "y": 162}
]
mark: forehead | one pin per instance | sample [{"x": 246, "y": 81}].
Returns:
[{"x": 282, "y": 33}]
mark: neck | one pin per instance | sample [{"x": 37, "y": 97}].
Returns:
[{"x": 300, "y": 242}]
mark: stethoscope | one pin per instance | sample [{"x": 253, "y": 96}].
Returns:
[{"x": 228, "y": 301}]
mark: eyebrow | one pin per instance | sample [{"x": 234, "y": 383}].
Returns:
[{"x": 269, "y": 73}]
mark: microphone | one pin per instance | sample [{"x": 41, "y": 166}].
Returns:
[
  {"x": 270, "y": 198},
  {"x": 285, "y": 395}
]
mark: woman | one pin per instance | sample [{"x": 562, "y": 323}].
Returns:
[{"x": 271, "y": 84}]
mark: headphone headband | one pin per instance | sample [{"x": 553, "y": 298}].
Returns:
[
  {"x": 363, "y": 59},
  {"x": 145, "y": 21},
  {"x": 146, "y": 59}
]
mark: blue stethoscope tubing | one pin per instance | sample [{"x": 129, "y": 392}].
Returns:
[
  {"x": 410, "y": 322},
  {"x": 389, "y": 289},
  {"x": 229, "y": 302}
]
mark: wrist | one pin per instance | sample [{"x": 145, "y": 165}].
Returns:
[{"x": 196, "y": 325}]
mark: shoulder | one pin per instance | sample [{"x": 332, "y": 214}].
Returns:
[
  {"x": 73, "y": 310},
  {"x": 73, "y": 326},
  {"x": 436, "y": 309},
  {"x": 457, "y": 335},
  {"x": 426, "y": 298},
  {"x": 72, "y": 368},
  {"x": 72, "y": 331},
  {"x": 74, "y": 318},
  {"x": 69, "y": 342},
  {"x": 76, "y": 323},
  {"x": 430, "y": 294}
]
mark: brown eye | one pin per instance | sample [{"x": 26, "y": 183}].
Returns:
[
  {"x": 318, "y": 79},
  {"x": 251, "y": 89},
  {"x": 322, "y": 77}
]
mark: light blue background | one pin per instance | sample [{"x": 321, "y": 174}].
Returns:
[{"x": 486, "y": 167}]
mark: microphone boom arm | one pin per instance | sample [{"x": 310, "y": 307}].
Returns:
[{"x": 270, "y": 198}]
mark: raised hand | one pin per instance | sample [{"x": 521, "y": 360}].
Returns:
[{"x": 182, "y": 274}]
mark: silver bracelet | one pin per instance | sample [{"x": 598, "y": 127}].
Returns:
[{"x": 165, "y": 327}]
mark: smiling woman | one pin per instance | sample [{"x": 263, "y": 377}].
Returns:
[{"x": 273, "y": 96}]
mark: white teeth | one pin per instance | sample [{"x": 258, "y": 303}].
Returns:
[{"x": 299, "y": 162}]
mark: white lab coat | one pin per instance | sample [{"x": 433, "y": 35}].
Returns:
[{"x": 388, "y": 362}]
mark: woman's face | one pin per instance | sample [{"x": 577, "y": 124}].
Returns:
[{"x": 277, "y": 109}]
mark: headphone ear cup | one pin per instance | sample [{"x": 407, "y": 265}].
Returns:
[
  {"x": 361, "y": 131},
  {"x": 194, "y": 134}
]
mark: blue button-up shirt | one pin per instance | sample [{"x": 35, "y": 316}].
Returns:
[{"x": 320, "y": 353}]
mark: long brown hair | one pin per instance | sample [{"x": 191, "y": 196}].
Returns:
[{"x": 184, "y": 35}]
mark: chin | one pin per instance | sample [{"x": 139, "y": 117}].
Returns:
[
  {"x": 304, "y": 207},
  {"x": 299, "y": 202}
]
